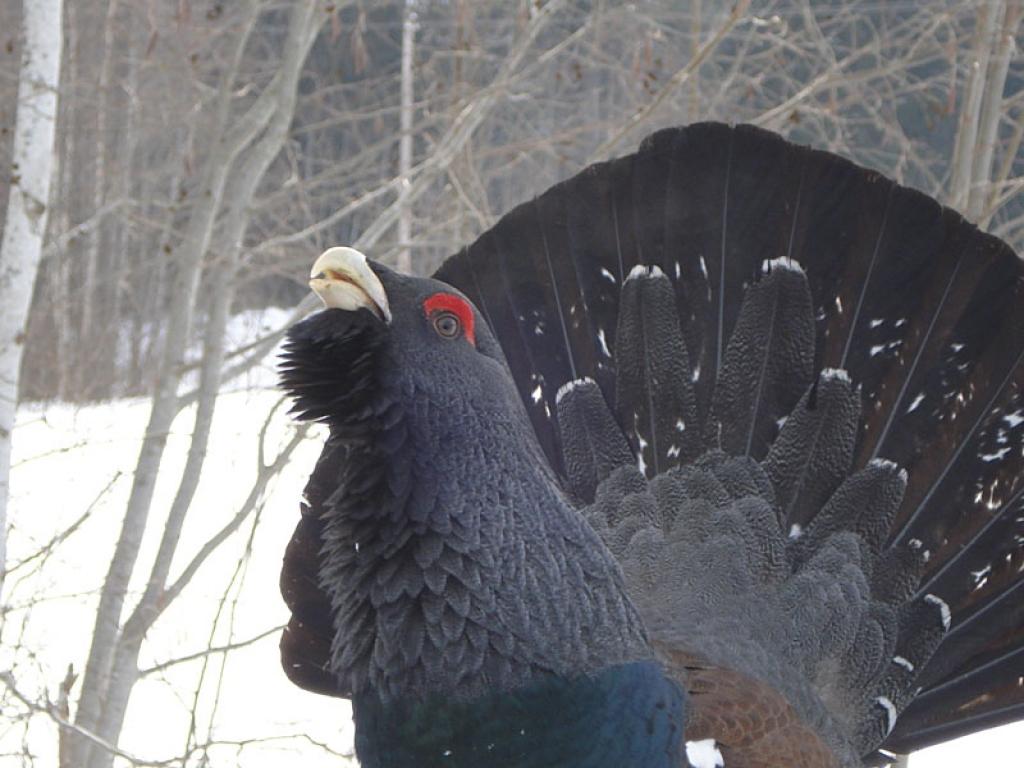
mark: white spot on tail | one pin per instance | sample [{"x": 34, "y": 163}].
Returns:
[
  {"x": 783, "y": 262},
  {"x": 673, "y": 451},
  {"x": 995, "y": 456},
  {"x": 644, "y": 270},
  {"x": 607, "y": 275},
  {"x": 917, "y": 402},
  {"x": 943, "y": 609},
  {"x": 642, "y": 445},
  {"x": 603, "y": 342},
  {"x": 704, "y": 754},
  {"x": 537, "y": 394},
  {"x": 796, "y": 531},
  {"x": 680, "y": 425},
  {"x": 890, "y": 713},
  {"x": 703, "y": 267},
  {"x": 839, "y": 374},
  {"x": 981, "y": 576},
  {"x": 905, "y": 663},
  {"x": 876, "y": 322},
  {"x": 569, "y": 386},
  {"x": 1014, "y": 419}
]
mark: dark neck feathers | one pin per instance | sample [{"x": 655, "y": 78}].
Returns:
[{"x": 455, "y": 564}]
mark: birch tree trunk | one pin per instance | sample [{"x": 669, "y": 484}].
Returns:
[
  {"x": 405, "y": 141},
  {"x": 32, "y": 165}
]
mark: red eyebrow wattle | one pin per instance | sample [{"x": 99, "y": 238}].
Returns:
[{"x": 448, "y": 302}]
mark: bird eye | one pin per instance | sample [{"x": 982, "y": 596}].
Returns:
[{"x": 447, "y": 324}]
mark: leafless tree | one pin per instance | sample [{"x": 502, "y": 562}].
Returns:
[
  {"x": 29, "y": 172},
  {"x": 209, "y": 150}
]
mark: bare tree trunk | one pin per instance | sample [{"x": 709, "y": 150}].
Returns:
[
  {"x": 966, "y": 148},
  {"x": 112, "y": 668},
  {"x": 59, "y": 273},
  {"x": 991, "y": 112},
  {"x": 32, "y": 168},
  {"x": 92, "y": 365},
  {"x": 405, "y": 141},
  {"x": 231, "y": 229},
  {"x": 696, "y": 28}
]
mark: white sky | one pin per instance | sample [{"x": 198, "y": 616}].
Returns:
[{"x": 65, "y": 457}]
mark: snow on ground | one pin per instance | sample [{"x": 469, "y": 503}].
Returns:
[
  {"x": 68, "y": 460},
  {"x": 64, "y": 459}
]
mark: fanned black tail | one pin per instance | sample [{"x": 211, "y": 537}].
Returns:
[{"x": 817, "y": 318}]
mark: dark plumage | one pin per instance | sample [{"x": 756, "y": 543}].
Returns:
[{"x": 758, "y": 432}]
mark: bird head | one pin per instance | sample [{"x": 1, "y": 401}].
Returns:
[{"x": 416, "y": 337}]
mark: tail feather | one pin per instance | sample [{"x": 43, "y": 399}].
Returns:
[
  {"x": 653, "y": 396},
  {"x": 984, "y": 697},
  {"x": 814, "y": 450},
  {"x": 923, "y": 313},
  {"x": 768, "y": 363},
  {"x": 592, "y": 443},
  {"x": 865, "y": 504}
]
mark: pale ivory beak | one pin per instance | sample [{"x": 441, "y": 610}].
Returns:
[{"x": 343, "y": 280}]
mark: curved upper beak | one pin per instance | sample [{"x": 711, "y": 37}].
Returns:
[{"x": 343, "y": 280}]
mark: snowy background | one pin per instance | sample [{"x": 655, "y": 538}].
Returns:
[{"x": 203, "y": 152}]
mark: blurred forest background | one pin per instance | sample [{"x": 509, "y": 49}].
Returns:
[{"x": 207, "y": 151}]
